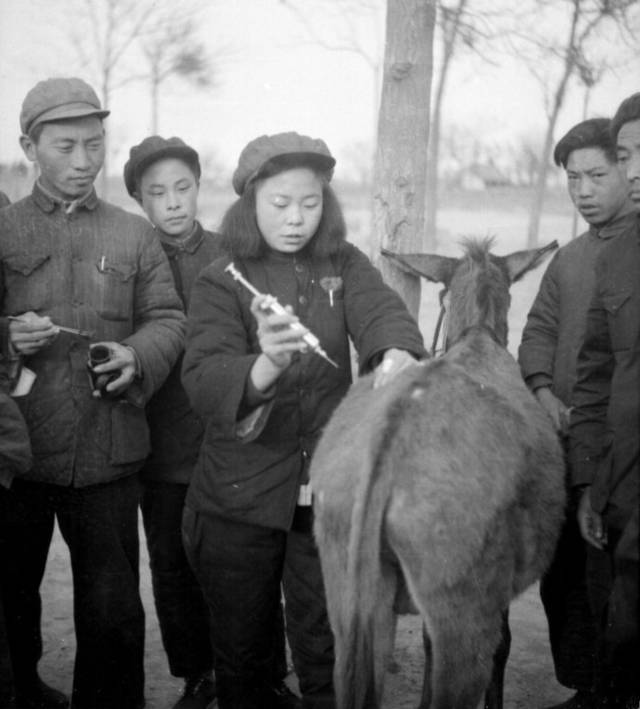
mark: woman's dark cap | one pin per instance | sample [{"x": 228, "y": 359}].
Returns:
[
  {"x": 269, "y": 148},
  {"x": 151, "y": 150},
  {"x": 59, "y": 99}
]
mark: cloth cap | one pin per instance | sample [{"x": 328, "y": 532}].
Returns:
[
  {"x": 255, "y": 156},
  {"x": 58, "y": 99},
  {"x": 151, "y": 150}
]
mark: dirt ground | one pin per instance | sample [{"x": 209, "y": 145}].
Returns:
[{"x": 530, "y": 682}]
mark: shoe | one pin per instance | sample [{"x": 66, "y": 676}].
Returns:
[
  {"x": 580, "y": 700},
  {"x": 39, "y": 695},
  {"x": 198, "y": 692},
  {"x": 284, "y": 698}
]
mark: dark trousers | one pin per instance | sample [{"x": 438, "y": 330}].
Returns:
[
  {"x": 614, "y": 591},
  {"x": 182, "y": 611},
  {"x": 100, "y": 526},
  {"x": 242, "y": 568},
  {"x": 6, "y": 673},
  {"x": 572, "y": 625}
]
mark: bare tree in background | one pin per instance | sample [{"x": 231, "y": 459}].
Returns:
[
  {"x": 572, "y": 53},
  {"x": 101, "y": 34},
  {"x": 172, "y": 48},
  {"x": 403, "y": 132},
  {"x": 353, "y": 26},
  {"x": 105, "y": 35},
  {"x": 461, "y": 24}
]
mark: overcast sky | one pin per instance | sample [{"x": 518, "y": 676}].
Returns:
[{"x": 268, "y": 81}]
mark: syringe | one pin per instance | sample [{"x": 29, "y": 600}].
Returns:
[{"x": 275, "y": 307}]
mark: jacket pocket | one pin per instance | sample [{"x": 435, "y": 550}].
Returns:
[
  {"x": 622, "y": 318},
  {"x": 28, "y": 283},
  {"x": 129, "y": 434},
  {"x": 116, "y": 283}
]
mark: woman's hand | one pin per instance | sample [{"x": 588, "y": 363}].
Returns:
[
  {"x": 394, "y": 361},
  {"x": 278, "y": 341}
]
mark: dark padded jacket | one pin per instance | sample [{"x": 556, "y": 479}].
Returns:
[
  {"x": 97, "y": 268},
  {"x": 176, "y": 431},
  {"x": 605, "y": 421},
  {"x": 555, "y": 325}
]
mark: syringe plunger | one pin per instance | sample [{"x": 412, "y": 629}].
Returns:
[{"x": 309, "y": 338}]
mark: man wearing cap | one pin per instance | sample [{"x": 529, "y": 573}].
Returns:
[
  {"x": 163, "y": 176},
  {"x": 76, "y": 270}
]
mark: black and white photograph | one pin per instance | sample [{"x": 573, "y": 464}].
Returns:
[{"x": 319, "y": 354}]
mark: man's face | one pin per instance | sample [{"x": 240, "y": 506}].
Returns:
[
  {"x": 69, "y": 155},
  {"x": 597, "y": 187},
  {"x": 168, "y": 193},
  {"x": 628, "y": 148}
]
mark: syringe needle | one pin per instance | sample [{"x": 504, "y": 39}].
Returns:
[{"x": 275, "y": 307}]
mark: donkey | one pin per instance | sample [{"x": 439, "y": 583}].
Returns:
[{"x": 440, "y": 493}]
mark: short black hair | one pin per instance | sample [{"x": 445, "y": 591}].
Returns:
[
  {"x": 592, "y": 133},
  {"x": 628, "y": 110}
]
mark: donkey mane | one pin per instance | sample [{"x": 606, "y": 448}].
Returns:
[{"x": 482, "y": 297}]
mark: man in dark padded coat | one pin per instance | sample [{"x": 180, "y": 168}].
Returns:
[
  {"x": 605, "y": 431},
  {"x": 76, "y": 270},
  {"x": 547, "y": 355}
]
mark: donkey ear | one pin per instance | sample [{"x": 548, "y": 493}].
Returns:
[
  {"x": 520, "y": 262},
  {"x": 438, "y": 269}
]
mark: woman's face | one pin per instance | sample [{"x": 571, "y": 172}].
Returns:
[{"x": 289, "y": 208}]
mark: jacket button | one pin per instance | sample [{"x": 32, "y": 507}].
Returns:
[
  {"x": 302, "y": 300},
  {"x": 299, "y": 268}
]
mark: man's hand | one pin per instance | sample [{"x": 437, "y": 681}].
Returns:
[
  {"x": 30, "y": 332},
  {"x": 394, "y": 361},
  {"x": 123, "y": 359},
  {"x": 590, "y": 522},
  {"x": 555, "y": 409}
]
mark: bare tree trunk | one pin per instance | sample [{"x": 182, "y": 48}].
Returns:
[
  {"x": 403, "y": 134},
  {"x": 155, "y": 83},
  {"x": 449, "y": 40},
  {"x": 558, "y": 100}
]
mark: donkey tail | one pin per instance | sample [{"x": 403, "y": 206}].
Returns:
[{"x": 365, "y": 646}]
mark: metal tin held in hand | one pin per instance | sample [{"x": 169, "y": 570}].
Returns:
[{"x": 101, "y": 354}]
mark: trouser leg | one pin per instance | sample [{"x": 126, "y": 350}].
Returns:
[
  {"x": 100, "y": 526},
  {"x": 572, "y": 626},
  {"x": 239, "y": 567},
  {"x": 621, "y": 632},
  {"x": 6, "y": 672},
  {"x": 182, "y": 612},
  {"x": 27, "y": 520},
  {"x": 308, "y": 629}
]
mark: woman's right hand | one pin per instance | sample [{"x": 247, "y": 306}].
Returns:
[{"x": 278, "y": 340}]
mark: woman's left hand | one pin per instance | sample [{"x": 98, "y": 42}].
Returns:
[{"x": 394, "y": 361}]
